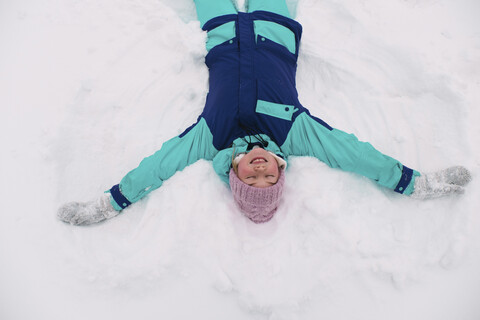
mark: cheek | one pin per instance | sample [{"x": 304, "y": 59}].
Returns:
[
  {"x": 274, "y": 170},
  {"x": 242, "y": 169}
]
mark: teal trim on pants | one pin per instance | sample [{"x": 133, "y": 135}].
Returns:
[
  {"x": 275, "y": 6},
  {"x": 209, "y": 9}
]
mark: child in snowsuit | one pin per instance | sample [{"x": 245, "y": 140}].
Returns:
[{"x": 253, "y": 121}]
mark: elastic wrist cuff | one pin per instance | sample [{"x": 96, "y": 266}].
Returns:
[
  {"x": 405, "y": 179},
  {"x": 118, "y": 197}
]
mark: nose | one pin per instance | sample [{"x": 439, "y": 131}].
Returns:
[{"x": 260, "y": 167}]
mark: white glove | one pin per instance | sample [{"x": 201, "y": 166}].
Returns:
[
  {"x": 84, "y": 213},
  {"x": 441, "y": 183}
]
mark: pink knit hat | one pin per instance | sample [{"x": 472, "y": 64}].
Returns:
[{"x": 258, "y": 204}]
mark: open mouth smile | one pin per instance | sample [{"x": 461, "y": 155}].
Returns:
[{"x": 258, "y": 160}]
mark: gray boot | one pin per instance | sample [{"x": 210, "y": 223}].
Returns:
[
  {"x": 441, "y": 183},
  {"x": 84, "y": 213}
]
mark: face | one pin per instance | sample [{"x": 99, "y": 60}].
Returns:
[{"x": 258, "y": 168}]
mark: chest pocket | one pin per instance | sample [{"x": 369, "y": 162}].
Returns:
[
  {"x": 276, "y": 33},
  {"x": 278, "y": 110},
  {"x": 221, "y": 34},
  {"x": 275, "y": 99}
]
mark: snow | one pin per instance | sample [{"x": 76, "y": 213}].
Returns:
[{"x": 88, "y": 88}]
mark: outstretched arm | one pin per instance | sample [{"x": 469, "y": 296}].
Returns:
[
  {"x": 312, "y": 137},
  {"x": 174, "y": 155}
]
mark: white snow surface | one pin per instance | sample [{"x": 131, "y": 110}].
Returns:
[{"x": 88, "y": 88}]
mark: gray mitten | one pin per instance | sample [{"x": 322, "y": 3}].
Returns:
[
  {"x": 441, "y": 183},
  {"x": 84, "y": 213}
]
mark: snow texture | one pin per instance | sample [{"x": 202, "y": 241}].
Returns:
[{"x": 88, "y": 88}]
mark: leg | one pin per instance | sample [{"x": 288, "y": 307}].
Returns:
[
  {"x": 208, "y": 9},
  {"x": 275, "y": 6}
]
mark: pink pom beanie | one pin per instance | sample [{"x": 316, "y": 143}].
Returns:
[{"x": 258, "y": 204}]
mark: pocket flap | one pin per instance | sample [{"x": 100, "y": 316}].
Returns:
[
  {"x": 282, "y": 111},
  {"x": 276, "y": 33}
]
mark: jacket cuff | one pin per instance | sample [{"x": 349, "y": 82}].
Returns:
[
  {"x": 406, "y": 181},
  {"x": 118, "y": 198}
]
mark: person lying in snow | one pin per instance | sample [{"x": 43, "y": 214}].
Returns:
[{"x": 253, "y": 121}]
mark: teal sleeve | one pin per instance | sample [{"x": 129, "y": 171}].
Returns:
[
  {"x": 338, "y": 149},
  {"x": 173, "y": 156}
]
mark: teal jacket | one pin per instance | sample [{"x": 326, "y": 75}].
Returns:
[
  {"x": 306, "y": 138},
  {"x": 253, "y": 99}
]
